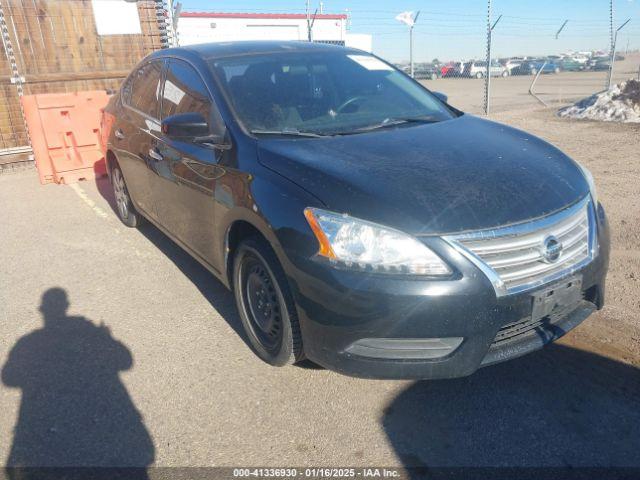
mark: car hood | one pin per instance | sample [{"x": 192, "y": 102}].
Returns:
[{"x": 457, "y": 175}]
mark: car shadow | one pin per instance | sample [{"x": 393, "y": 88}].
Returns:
[
  {"x": 219, "y": 297},
  {"x": 559, "y": 407},
  {"x": 76, "y": 417},
  {"x": 103, "y": 184}
]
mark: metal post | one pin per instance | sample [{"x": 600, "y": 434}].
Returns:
[
  {"x": 411, "y": 51},
  {"x": 533, "y": 84},
  {"x": 613, "y": 53},
  {"x": 611, "y": 42},
  {"x": 561, "y": 28},
  {"x": 308, "y": 22},
  {"x": 612, "y": 60},
  {"x": 487, "y": 80}
]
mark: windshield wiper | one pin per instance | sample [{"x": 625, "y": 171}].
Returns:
[
  {"x": 294, "y": 133},
  {"x": 391, "y": 122}
]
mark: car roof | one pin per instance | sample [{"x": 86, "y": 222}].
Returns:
[{"x": 213, "y": 51}]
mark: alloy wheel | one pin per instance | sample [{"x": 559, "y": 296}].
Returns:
[{"x": 120, "y": 193}]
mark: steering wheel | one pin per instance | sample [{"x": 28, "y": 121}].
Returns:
[{"x": 348, "y": 102}]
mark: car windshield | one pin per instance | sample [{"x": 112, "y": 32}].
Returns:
[{"x": 323, "y": 93}]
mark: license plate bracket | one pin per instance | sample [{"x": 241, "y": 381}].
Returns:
[{"x": 556, "y": 297}]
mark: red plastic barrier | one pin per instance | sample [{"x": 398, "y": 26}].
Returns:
[{"x": 65, "y": 134}]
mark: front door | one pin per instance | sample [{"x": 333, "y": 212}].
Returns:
[{"x": 183, "y": 188}]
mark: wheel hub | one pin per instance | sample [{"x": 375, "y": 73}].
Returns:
[
  {"x": 263, "y": 303},
  {"x": 120, "y": 193}
]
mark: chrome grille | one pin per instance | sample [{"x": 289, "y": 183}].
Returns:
[{"x": 514, "y": 257}]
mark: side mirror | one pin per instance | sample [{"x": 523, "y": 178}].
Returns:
[
  {"x": 191, "y": 126},
  {"x": 185, "y": 126},
  {"x": 441, "y": 96}
]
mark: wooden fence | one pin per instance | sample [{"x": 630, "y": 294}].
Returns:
[{"x": 53, "y": 46}]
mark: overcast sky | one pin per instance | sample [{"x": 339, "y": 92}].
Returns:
[{"x": 456, "y": 29}]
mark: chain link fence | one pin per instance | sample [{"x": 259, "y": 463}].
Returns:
[{"x": 513, "y": 62}]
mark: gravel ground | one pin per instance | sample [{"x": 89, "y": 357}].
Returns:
[{"x": 156, "y": 372}]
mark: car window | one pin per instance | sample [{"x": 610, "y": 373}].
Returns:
[
  {"x": 325, "y": 93},
  {"x": 142, "y": 91},
  {"x": 184, "y": 91}
]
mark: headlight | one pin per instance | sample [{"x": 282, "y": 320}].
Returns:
[
  {"x": 592, "y": 184},
  {"x": 366, "y": 246}
]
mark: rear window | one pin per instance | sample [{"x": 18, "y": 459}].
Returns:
[{"x": 143, "y": 88}]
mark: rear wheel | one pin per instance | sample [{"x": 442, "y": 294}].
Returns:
[
  {"x": 505, "y": 73},
  {"x": 266, "y": 307},
  {"x": 479, "y": 75},
  {"x": 126, "y": 211}
]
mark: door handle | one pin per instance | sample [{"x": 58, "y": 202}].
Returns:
[
  {"x": 119, "y": 135},
  {"x": 153, "y": 153}
]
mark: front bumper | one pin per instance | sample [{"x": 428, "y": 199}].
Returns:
[{"x": 377, "y": 326}]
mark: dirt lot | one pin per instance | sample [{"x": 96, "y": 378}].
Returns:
[
  {"x": 512, "y": 93},
  {"x": 612, "y": 153},
  {"x": 169, "y": 381}
]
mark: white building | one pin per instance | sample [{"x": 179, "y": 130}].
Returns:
[{"x": 205, "y": 27}]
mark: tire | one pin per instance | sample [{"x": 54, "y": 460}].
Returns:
[
  {"x": 479, "y": 75},
  {"x": 124, "y": 207},
  {"x": 265, "y": 304},
  {"x": 505, "y": 74},
  {"x": 557, "y": 70},
  {"x": 434, "y": 76},
  {"x": 534, "y": 71}
]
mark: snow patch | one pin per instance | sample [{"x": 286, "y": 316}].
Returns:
[{"x": 621, "y": 103}]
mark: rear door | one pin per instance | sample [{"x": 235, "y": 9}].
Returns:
[
  {"x": 183, "y": 188},
  {"x": 137, "y": 129}
]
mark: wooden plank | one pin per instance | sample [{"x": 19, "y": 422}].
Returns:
[
  {"x": 58, "y": 49},
  {"x": 57, "y": 77}
]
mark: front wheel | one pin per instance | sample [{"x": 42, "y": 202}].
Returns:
[
  {"x": 266, "y": 307},
  {"x": 479, "y": 75},
  {"x": 505, "y": 73}
]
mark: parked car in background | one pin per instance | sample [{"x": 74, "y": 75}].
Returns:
[
  {"x": 569, "y": 64},
  {"x": 426, "y": 71},
  {"x": 510, "y": 64},
  {"x": 478, "y": 69},
  {"x": 452, "y": 69},
  {"x": 354, "y": 215},
  {"x": 532, "y": 67},
  {"x": 583, "y": 59},
  {"x": 599, "y": 63}
]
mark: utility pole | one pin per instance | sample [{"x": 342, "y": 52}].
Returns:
[
  {"x": 487, "y": 80},
  {"x": 308, "y": 21},
  {"x": 610, "y": 26},
  {"x": 613, "y": 53},
  {"x": 415, "y": 19},
  {"x": 410, "y": 20}
]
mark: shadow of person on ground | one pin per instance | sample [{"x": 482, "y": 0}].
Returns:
[
  {"x": 74, "y": 411},
  {"x": 559, "y": 407}
]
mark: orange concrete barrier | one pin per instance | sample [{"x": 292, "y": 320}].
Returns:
[{"x": 65, "y": 135}]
